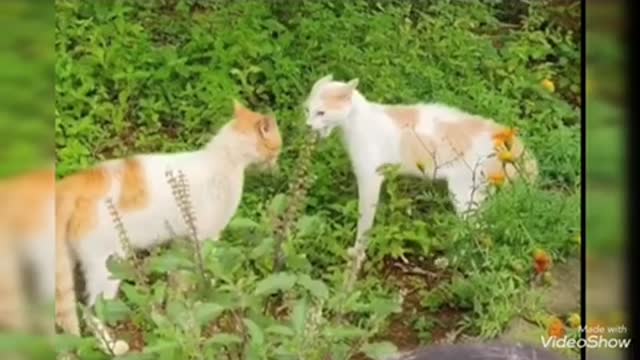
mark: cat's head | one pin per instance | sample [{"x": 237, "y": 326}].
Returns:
[
  {"x": 261, "y": 133},
  {"x": 329, "y": 104}
]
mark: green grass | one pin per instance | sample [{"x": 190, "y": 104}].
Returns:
[{"x": 160, "y": 76}]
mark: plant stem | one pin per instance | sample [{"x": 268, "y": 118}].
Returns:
[{"x": 297, "y": 194}]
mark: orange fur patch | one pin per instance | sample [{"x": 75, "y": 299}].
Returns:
[
  {"x": 86, "y": 188},
  {"x": 459, "y": 135},
  {"x": 418, "y": 152},
  {"x": 403, "y": 116},
  {"x": 270, "y": 141},
  {"x": 245, "y": 120},
  {"x": 336, "y": 99},
  {"x": 22, "y": 198},
  {"x": 134, "y": 193},
  {"x": 262, "y": 127},
  {"x": 77, "y": 198}
]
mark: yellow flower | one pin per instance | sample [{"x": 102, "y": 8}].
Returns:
[
  {"x": 548, "y": 85},
  {"x": 574, "y": 320},
  {"x": 506, "y": 156},
  {"x": 497, "y": 179}
]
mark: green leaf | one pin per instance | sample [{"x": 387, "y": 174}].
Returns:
[
  {"x": 136, "y": 356},
  {"x": 133, "y": 294},
  {"x": 380, "y": 350},
  {"x": 112, "y": 310},
  {"x": 161, "y": 346},
  {"x": 121, "y": 268},
  {"x": 384, "y": 307},
  {"x": 207, "y": 312},
  {"x": 264, "y": 248},
  {"x": 243, "y": 224},
  {"x": 63, "y": 342},
  {"x": 308, "y": 225},
  {"x": 176, "y": 311},
  {"x": 344, "y": 332},
  {"x": 280, "y": 330},
  {"x": 278, "y": 205},
  {"x": 317, "y": 288},
  {"x": 299, "y": 316},
  {"x": 168, "y": 262},
  {"x": 256, "y": 334},
  {"x": 160, "y": 320},
  {"x": 225, "y": 339},
  {"x": 274, "y": 283}
]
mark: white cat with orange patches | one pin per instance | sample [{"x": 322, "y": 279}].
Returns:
[
  {"x": 426, "y": 140},
  {"x": 139, "y": 190},
  {"x": 26, "y": 242}
]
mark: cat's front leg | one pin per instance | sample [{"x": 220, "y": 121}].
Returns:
[
  {"x": 369, "y": 185},
  {"x": 99, "y": 280}
]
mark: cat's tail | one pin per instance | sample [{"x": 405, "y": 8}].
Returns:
[{"x": 66, "y": 315}]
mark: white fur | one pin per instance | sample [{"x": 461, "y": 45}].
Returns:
[
  {"x": 372, "y": 140},
  {"x": 215, "y": 177}
]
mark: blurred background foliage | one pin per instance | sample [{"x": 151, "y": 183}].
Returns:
[{"x": 26, "y": 86}]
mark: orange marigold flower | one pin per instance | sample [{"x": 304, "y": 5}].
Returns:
[
  {"x": 556, "y": 329},
  {"x": 504, "y": 138},
  {"x": 542, "y": 261},
  {"x": 497, "y": 179}
]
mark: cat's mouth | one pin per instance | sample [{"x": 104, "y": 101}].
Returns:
[
  {"x": 269, "y": 166},
  {"x": 323, "y": 132}
]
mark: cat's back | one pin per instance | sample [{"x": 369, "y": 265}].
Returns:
[
  {"x": 437, "y": 118},
  {"x": 160, "y": 167},
  {"x": 115, "y": 176}
]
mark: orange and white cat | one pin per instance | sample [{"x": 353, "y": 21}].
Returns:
[
  {"x": 139, "y": 190},
  {"x": 426, "y": 140},
  {"x": 26, "y": 242}
]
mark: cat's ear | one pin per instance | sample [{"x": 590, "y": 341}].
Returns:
[
  {"x": 240, "y": 112},
  {"x": 265, "y": 125},
  {"x": 346, "y": 92},
  {"x": 326, "y": 79},
  {"x": 243, "y": 118},
  {"x": 322, "y": 81},
  {"x": 237, "y": 106}
]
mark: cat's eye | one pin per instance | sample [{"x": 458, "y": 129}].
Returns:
[{"x": 319, "y": 113}]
